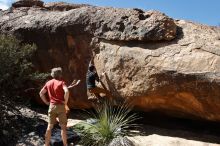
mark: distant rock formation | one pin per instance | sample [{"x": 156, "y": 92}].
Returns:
[{"x": 150, "y": 59}]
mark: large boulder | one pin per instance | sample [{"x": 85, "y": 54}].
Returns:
[
  {"x": 63, "y": 38},
  {"x": 151, "y": 60},
  {"x": 180, "y": 77}
]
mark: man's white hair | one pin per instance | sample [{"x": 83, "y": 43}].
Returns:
[{"x": 56, "y": 72}]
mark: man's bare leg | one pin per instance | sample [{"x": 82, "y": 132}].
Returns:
[
  {"x": 48, "y": 134},
  {"x": 63, "y": 134},
  {"x": 98, "y": 90}
]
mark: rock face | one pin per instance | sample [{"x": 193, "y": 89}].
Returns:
[
  {"x": 150, "y": 59},
  {"x": 129, "y": 25},
  {"x": 27, "y": 3},
  {"x": 62, "y": 6}
]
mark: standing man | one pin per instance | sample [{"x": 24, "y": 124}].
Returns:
[{"x": 58, "y": 94}]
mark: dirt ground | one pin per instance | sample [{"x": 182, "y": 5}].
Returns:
[{"x": 154, "y": 130}]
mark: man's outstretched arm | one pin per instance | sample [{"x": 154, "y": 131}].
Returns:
[
  {"x": 43, "y": 97},
  {"x": 73, "y": 84}
]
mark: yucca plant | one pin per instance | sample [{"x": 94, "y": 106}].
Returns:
[{"x": 111, "y": 123}]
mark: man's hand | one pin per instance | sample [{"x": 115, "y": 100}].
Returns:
[
  {"x": 77, "y": 83},
  {"x": 103, "y": 73},
  {"x": 73, "y": 84},
  {"x": 67, "y": 108}
]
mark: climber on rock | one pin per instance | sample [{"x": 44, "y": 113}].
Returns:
[{"x": 91, "y": 78}]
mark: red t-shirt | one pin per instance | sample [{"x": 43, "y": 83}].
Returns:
[{"x": 55, "y": 91}]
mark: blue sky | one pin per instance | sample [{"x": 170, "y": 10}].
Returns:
[{"x": 202, "y": 11}]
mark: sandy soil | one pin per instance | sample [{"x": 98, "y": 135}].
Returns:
[{"x": 158, "y": 140}]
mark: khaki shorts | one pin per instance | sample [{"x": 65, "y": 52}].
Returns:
[{"x": 57, "y": 110}]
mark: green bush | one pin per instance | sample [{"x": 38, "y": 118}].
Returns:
[
  {"x": 112, "y": 122},
  {"x": 16, "y": 75},
  {"x": 15, "y": 66}
]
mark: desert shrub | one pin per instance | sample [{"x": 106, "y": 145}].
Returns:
[
  {"x": 16, "y": 75},
  {"x": 110, "y": 126}
]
